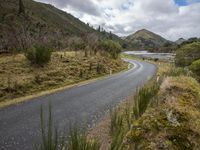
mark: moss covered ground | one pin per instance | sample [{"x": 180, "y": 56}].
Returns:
[{"x": 174, "y": 122}]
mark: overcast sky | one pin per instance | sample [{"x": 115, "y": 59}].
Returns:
[{"x": 170, "y": 18}]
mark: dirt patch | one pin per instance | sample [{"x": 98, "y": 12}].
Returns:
[{"x": 101, "y": 132}]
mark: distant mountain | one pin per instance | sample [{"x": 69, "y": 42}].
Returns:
[
  {"x": 144, "y": 39},
  {"x": 180, "y": 41},
  {"x": 29, "y": 22}
]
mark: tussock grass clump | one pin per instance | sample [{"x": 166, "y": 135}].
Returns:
[
  {"x": 117, "y": 129},
  {"x": 78, "y": 141},
  {"x": 177, "y": 71},
  {"x": 49, "y": 134},
  {"x": 121, "y": 118},
  {"x": 53, "y": 140},
  {"x": 19, "y": 78},
  {"x": 143, "y": 98}
]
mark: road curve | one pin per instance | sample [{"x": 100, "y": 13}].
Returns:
[{"x": 20, "y": 124}]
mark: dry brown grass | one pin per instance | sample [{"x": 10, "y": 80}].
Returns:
[{"x": 18, "y": 78}]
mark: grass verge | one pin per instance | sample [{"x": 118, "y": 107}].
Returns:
[
  {"x": 160, "y": 115},
  {"x": 21, "y": 82},
  {"x": 51, "y": 139}
]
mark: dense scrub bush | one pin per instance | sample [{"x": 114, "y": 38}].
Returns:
[
  {"x": 113, "y": 48},
  {"x": 187, "y": 54},
  {"x": 39, "y": 55},
  {"x": 195, "y": 67}
]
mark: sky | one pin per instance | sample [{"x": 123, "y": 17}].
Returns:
[{"x": 171, "y": 19}]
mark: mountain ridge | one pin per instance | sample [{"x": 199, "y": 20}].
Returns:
[{"x": 145, "y": 39}]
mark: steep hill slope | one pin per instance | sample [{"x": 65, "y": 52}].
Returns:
[
  {"x": 180, "y": 41},
  {"x": 144, "y": 39},
  {"x": 40, "y": 23}
]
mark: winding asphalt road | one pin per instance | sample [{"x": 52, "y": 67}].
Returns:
[{"x": 20, "y": 124}]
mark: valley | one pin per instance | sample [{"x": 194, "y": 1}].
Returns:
[{"x": 99, "y": 75}]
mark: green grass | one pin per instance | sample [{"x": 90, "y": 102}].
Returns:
[
  {"x": 143, "y": 98},
  {"x": 117, "y": 129},
  {"x": 53, "y": 140},
  {"x": 49, "y": 135},
  {"x": 121, "y": 118},
  {"x": 78, "y": 141}
]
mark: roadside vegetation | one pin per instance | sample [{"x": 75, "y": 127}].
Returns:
[
  {"x": 35, "y": 72},
  {"x": 164, "y": 114},
  {"x": 24, "y": 23},
  {"x": 54, "y": 139},
  {"x": 187, "y": 54}
]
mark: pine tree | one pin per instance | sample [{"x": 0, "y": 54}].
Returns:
[
  {"x": 110, "y": 35},
  {"x": 99, "y": 29},
  {"x": 21, "y": 7}
]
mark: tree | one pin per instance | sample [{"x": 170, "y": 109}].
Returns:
[
  {"x": 21, "y": 7},
  {"x": 110, "y": 35},
  {"x": 113, "y": 48},
  {"x": 187, "y": 54},
  {"x": 99, "y": 29}
]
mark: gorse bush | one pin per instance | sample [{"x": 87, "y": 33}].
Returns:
[
  {"x": 53, "y": 140},
  {"x": 39, "y": 55},
  {"x": 188, "y": 53}
]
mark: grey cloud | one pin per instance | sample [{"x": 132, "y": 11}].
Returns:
[
  {"x": 162, "y": 17},
  {"x": 160, "y": 7},
  {"x": 85, "y": 6}
]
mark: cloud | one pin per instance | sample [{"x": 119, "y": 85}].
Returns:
[
  {"x": 86, "y": 6},
  {"x": 123, "y": 17}
]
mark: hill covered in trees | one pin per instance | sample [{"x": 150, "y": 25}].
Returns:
[
  {"x": 24, "y": 23},
  {"x": 144, "y": 39}
]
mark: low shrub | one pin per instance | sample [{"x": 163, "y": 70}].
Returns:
[
  {"x": 195, "y": 68},
  {"x": 113, "y": 48},
  {"x": 39, "y": 55}
]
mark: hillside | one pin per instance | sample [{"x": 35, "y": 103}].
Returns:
[
  {"x": 41, "y": 23},
  {"x": 180, "y": 41},
  {"x": 144, "y": 39}
]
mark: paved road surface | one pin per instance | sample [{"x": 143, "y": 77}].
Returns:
[{"x": 20, "y": 124}]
